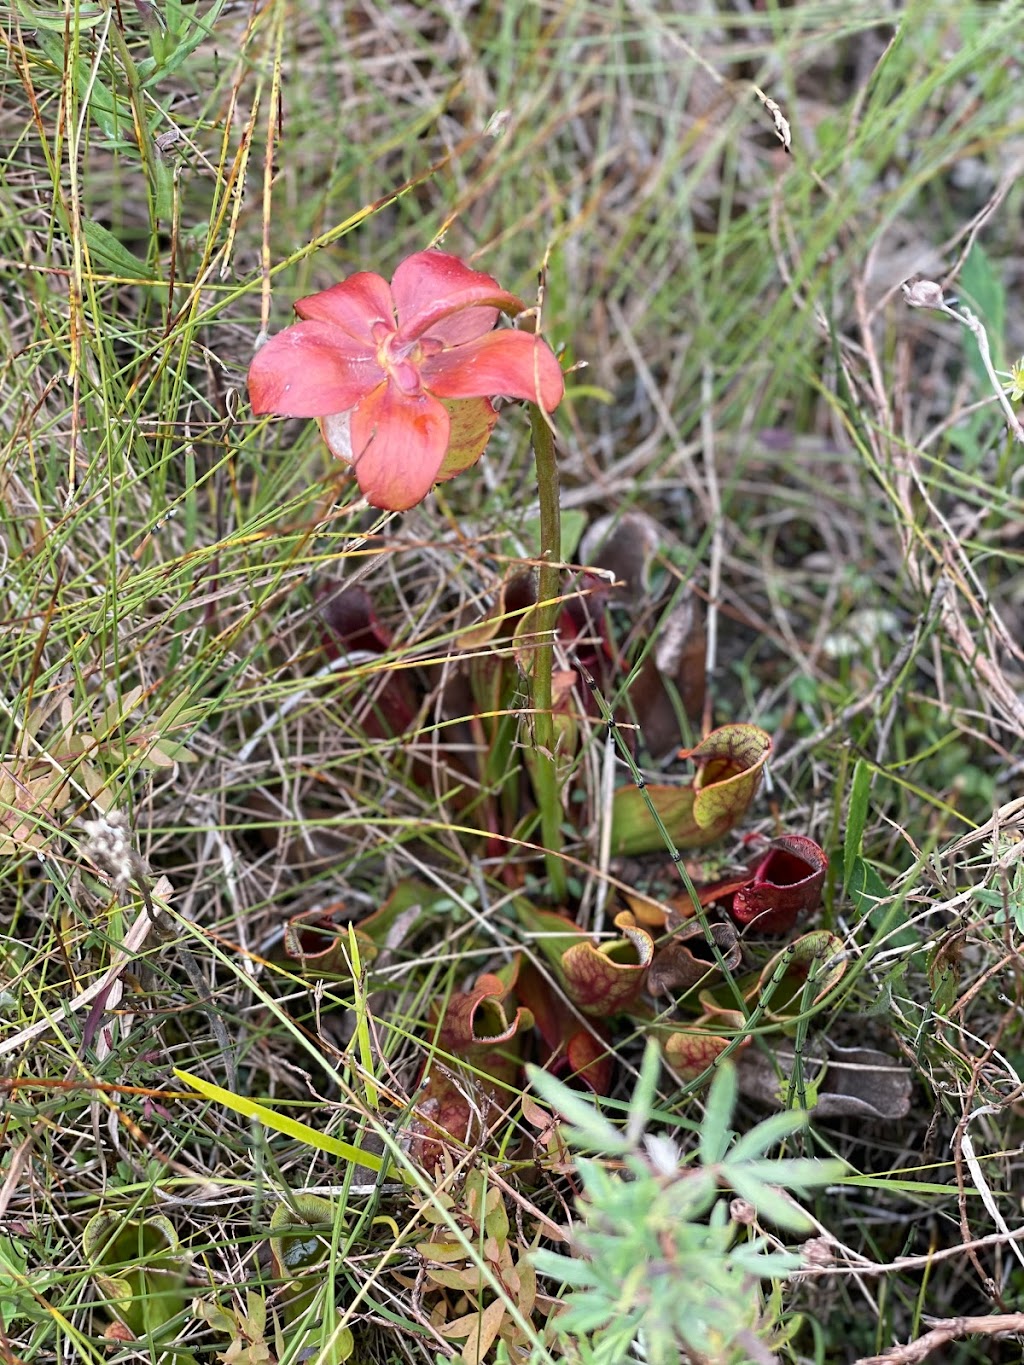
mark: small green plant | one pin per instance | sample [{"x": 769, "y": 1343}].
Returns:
[
  {"x": 17, "y": 1301},
  {"x": 665, "y": 1260},
  {"x": 257, "y": 1338},
  {"x": 1004, "y": 892},
  {"x": 140, "y": 1268}
]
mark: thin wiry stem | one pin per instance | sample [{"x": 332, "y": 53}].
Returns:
[{"x": 545, "y": 770}]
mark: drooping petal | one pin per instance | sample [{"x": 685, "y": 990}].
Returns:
[
  {"x": 398, "y": 446},
  {"x": 437, "y": 293},
  {"x": 336, "y": 429},
  {"x": 310, "y": 369},
  {"x": 354, "y": 305},
  {"x": 515, "y": 364},
  {"x": 472, "y": 420}
]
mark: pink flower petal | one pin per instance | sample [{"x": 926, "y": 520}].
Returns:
[
  {"x": 354, "y": 305},
  {"x": 309, "y": 370},
  {"x": 454, "y": 328},
  {"x": 439, "y": 294},
  {"x": 512, "y": 363},
  {"x": 398, "y": 443}
]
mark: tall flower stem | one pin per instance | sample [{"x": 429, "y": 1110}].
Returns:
[{"x": 544, "y": 768}]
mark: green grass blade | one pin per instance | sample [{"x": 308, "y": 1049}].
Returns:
[{"x": 280, "y": 1123}]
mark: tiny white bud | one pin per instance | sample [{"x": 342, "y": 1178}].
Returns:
[
  {"x": 922, "y": 293},
  {"x": 817, "y": 1251},
  {"x": 498, "y": 123},
  {"x": 740, "y": 1211}
]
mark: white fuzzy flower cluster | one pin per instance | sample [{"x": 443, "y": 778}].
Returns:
[{"x": 108, "y": 847}]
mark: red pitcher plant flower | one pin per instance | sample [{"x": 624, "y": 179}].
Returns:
[{"x": 401, "y": 376}]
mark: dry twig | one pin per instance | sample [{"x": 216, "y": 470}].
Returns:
[{"x": 952, "y": 1329}]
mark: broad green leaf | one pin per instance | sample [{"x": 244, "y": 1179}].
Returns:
[
  {"x": 856, "y": 818},
  {"x": 763, "y": 1264},
  {"x": 766, "y": 1134},
  {"x": 113, "y": 256},
  {"x": 795, "y": 1173},
  {"x": 184, "y": 32},
  {"x": 593, "y": 1129},
  {"x": 769, "y": 1202},
  {"x": 576, "y": 1274},
  {"x": 714, "y": 1131},
  {"x": 983, "y": 288},
  {"x": 874, "y": 902}
]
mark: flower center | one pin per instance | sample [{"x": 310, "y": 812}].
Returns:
[{"x": 401, "y": 360}]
